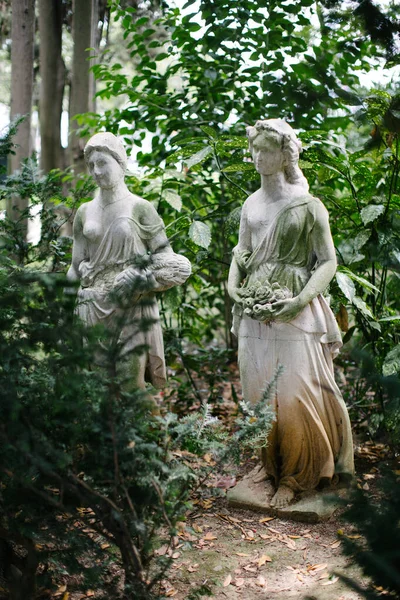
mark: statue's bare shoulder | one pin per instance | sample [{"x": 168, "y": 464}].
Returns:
[{"x": 144, "y": 211}]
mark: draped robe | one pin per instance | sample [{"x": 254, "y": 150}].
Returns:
[
  {"x": 310, "y": 441},
  {"x": 123, "y": 243}
]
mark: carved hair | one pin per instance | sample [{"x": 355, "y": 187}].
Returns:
[
  {"x": 109, "y": 143},
  {"x": 290, "y": 146}
]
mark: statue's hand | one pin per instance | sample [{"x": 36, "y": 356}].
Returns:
[
  {"x": 134, "y": 280},
  {"x": 286, "y": 310},
  {"x": 233, "y": 293}
]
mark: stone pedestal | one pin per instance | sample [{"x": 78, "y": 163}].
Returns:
[{"x": 310, "y": 507}]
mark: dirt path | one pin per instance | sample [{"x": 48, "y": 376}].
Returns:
[{"x": 242, "y": 555}]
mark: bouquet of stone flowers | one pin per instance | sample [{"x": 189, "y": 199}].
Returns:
[{"x": 258, "y": 299}]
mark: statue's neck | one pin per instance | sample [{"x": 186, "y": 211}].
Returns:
[
  {"x": 274, "y": 186},
  {"x": 111, "y": 195}
]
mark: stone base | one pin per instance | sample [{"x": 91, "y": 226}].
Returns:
[{"x": 309, "y": 507}]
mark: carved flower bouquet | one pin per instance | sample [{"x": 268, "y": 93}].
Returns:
[{"x": 258, "y": 299}]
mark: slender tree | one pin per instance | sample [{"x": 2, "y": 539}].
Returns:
[
  {"x": 22, "y": 53},
  {"x": 52, "y": 71},
  {"x": 84, "y": 22}
]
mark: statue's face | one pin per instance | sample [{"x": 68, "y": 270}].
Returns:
[
  {"x": 105, "y": 170},
  {"x": 267, "y": 154}
]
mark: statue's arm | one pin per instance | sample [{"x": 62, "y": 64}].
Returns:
[
  {"x": 166, "y": 268},
  {"x": 236, "y": 274},
  {"x": 235, "y": 278},
  {"x": 78, "y": 248},
  {"x": 324, "y": 249}
]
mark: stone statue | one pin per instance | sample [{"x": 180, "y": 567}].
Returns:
[
  {"x": 121, "y": 256},
  {"x": 284, "y": 260}
]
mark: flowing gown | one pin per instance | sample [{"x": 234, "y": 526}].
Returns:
[
  {"x": 138, "y": 325},
  {"x": 310, "y": 441}
]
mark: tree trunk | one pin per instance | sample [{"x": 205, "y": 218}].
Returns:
[
  {"x": 22, "y": 45},
  {"x": 83, "y": 22},
  {"x": 52, "y": 71}
]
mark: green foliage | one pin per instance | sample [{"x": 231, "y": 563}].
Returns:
[
  {"x": 377, "y": 520},
  {"x": 90, "y": 475},
  {"x": 199, "y": 78},
  {"x": 85, "y": 479}
]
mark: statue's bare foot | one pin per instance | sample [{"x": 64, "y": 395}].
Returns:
[
  {"x": 261, "y": 476},
  {"x": 283, "y": 497}
]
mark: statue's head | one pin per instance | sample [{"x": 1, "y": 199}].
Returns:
[
  {"x": 277, "y": 133},
  {"x": 109, "y": 144}
]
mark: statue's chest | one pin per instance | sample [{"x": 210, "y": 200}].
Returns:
[{"x": 98, "y": 220}]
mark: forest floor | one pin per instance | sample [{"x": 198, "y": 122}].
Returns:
[
  {"x": 222, "y": 553},
  {"x": 238, "y": 554}
]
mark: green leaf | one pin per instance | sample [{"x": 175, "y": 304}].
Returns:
[
  {"x": 232, "y": 221},
  {"x": 394, "y": 318},
  {"x": 199, "y": 157},
  {"x": 361, "y": 239},
  {"x": 173, "y": 199},
  {"x": 371, "y": 213},
  {"x": 209, "y": 131},
  {"x": 200, "y": 234},
  {"x": 364, "y": 282},
  {"x": 391, "y": 364},
  {"x": 244, "y": 166},
  {"x": 346, "y": 285},
  {"x": 363, "y": 308}
]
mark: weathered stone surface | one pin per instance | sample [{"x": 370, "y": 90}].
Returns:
[
  {"x": 281, "y": 266},
  {"x": 311, "y": 507},
  {"x": 121, "y": 257}
]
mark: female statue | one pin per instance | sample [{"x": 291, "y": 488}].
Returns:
[
  {"x": 284, "y": 260},
  {"x": 121, "y": 256}
]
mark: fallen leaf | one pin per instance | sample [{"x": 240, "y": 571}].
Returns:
[
  {"x": 105, "y": 546},
  {"x": 209, "y": 537},
  {"x": 353, "y": 537},
  {"x": 66, "y": 596},
  {"x": 261, "y": 581},
  {"x": 239, "y": 582},
  {"x": 250, "y": 534},
  {"x": 227, "y": 581},
  {"x": 331, "y": 581},
  {"x": 162, "y": 550},
  {"x": 176, "y": 555},
  {"x": 225, "y": 482},
  {"x": 60, "y": 590},
  {"x": 316, "y": 568},
  {"x": 241, "y": 554},
  {"x": 233, "y": 520},
  {"x": 89, "y": 594},
  {"x": 299, "y": 577},
  {"x": 263, "y": 559},
  {"x": 290, "y": 544},
  {"x": 336, "y": 544},
  {"x": 250, "y": 569},
  {"x": 193, "y": 568},
  {"x": 323, "y": 576},
  {"x": 266, "y": 519},
  {"x": 171, "y": 593}
]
